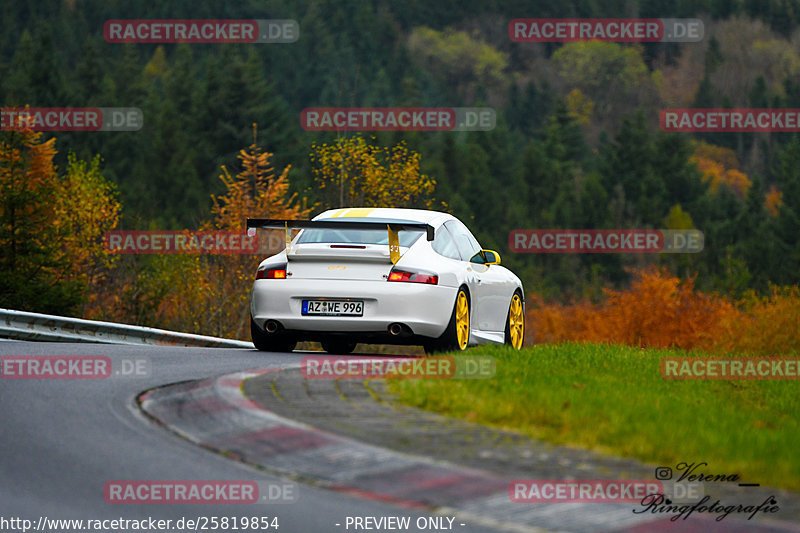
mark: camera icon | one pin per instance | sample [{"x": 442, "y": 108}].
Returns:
[{"x": 663, "y": 473}]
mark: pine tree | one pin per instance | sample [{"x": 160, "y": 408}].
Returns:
[{"x": 32, "y": 275}]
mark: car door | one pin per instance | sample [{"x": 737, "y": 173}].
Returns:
[
  {"x": 486, "y": 283},
  {"x": 496, "y": 289},
  {"x": 445, "y": 245}
]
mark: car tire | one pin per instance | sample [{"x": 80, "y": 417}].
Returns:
[
  {"x": 456, "y": 336},
  {"x": 515, "y": 322},
  {"x": 338, "y": 346},
  {"x": 270, "y": 343}
]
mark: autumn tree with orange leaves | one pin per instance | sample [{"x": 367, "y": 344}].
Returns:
[
  {"x": 255, "y": 192},
  {"x": 720, "y": 166},
  {"x": 207, "y": 294},
  {"x": 51, "y": 225},
  {"x": 660, "y": 310}
]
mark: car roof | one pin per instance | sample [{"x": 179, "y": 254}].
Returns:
[{"x": 434, "y": 218}]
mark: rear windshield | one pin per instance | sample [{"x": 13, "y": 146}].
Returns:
[{"x": 360, "y": 236}]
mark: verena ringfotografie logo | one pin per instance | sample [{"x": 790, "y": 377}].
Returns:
[
  {"x": 199, "y": 492},
  {"x": 696, "y": 476},
  {"x": 605, "y": 241},
  {"x": 201, "y": 31},
  {"x": 439, "y": 367},
  {"x": 730, "y": 368},
  {"x": 608, "y": 30},
  {"x": 398, "y": 119},
  {"x": 730, "y": 120},
  {"x": 71, "y": 118},
  {"x": 188, "y": 242},
  {"x": 72, "y": 367}
]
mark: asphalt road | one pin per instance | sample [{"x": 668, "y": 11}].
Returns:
[{"x": 62, "y": 440}]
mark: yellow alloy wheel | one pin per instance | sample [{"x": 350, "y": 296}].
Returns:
[
  {"x": 462, "y": 320},
  {"x": 516, "y": 322}
]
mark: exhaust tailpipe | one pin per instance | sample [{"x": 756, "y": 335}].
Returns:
[
  {"x": 271, "y": 326},
  {"x": 398, "y": 329}
]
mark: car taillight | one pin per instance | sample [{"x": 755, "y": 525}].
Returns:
[
  {"x": 413, "y": 276},
  {"x": 272, "y": 273}
]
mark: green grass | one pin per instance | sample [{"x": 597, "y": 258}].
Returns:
[{"x": 612, "y": 399}]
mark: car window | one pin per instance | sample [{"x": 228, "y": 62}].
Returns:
[
  {"x": 358, "y": 236},
  {"x": 444, "y": 245},
  {"x": 467, "y": 245},
  {"x": 363, "y": 236}
]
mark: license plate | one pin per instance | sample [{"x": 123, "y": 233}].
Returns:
[{"x": 333, "y": 307}]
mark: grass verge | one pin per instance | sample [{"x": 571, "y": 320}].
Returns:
[{"x": 612, "y": 399}]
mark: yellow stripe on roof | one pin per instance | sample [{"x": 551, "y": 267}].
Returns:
[{"x": 355, "y": 212}]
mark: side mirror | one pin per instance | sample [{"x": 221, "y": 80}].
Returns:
[{"x": 492, "y": 257}]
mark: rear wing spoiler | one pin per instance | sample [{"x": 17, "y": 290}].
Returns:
[{"x": 391, "y": 227}]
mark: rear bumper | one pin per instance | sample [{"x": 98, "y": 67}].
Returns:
[{"x": 426, "y": 309}]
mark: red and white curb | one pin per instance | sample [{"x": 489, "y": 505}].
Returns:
[{"x": 215, "y": 413}]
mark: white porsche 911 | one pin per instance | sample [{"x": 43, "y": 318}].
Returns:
[{"x": 387, "y": 276}]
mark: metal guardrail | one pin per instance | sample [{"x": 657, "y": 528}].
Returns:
[{"x": 22, "y": 325}]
